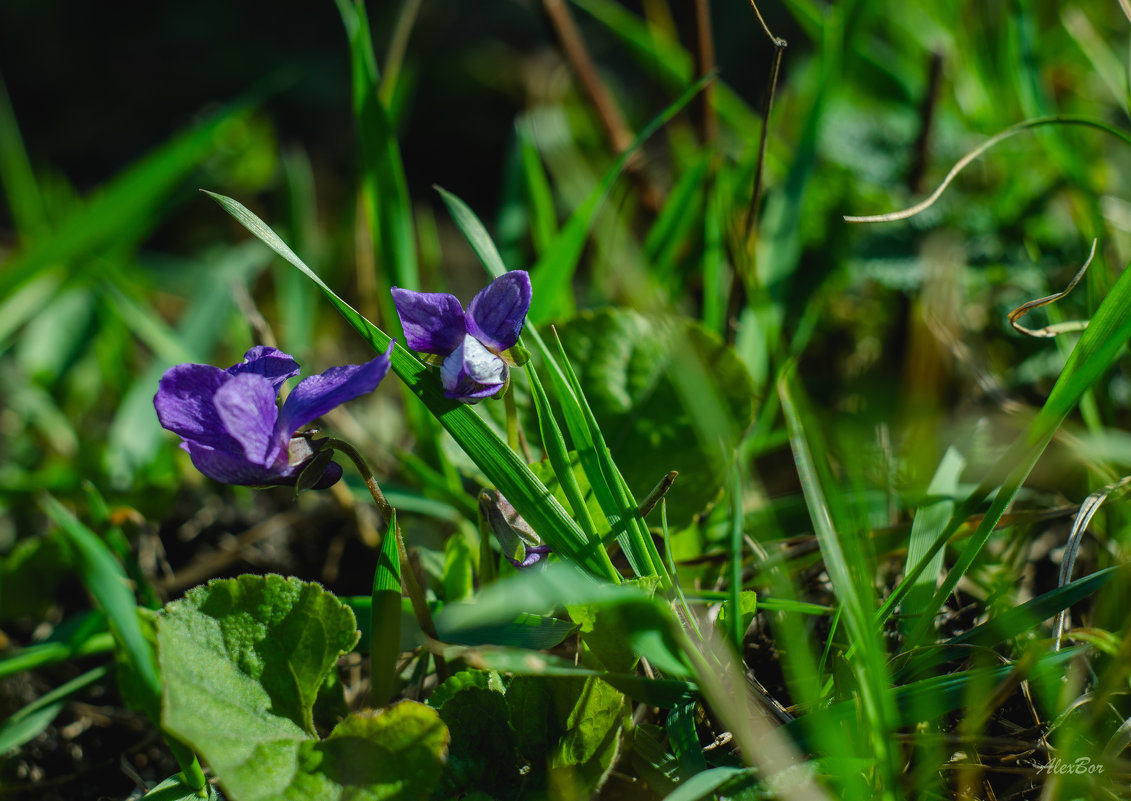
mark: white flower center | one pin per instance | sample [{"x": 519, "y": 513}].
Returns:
[{"x": 472, "y": 360}]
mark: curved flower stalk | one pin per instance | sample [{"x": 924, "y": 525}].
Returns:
[
  {"x": 234, "y": 429},
  {"x": 475, "y": 349}
]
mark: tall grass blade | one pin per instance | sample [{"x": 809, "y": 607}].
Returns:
[{"x": 552, "y": 275}]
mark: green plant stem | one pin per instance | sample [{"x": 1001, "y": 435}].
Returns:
[
  {"x": 408, "y": 577},
  {"x": 190, "y": 766},
  {"x": 512, "y": 419}
]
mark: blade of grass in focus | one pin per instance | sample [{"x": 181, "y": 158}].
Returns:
[{"x": 385, "y": 619}]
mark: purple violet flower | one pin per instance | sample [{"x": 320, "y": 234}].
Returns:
[
  {"x": 233, "y": 427},
  {"x": 474, "y": 349},
  {"x": 517, "y": 540}
]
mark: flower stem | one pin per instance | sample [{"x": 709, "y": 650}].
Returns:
[
  {"x": 408, "y": 576},
  {"x": 512, "y": 419},
  {"x": 191, "y": 771}
]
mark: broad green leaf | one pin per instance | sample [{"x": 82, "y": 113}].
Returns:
[
  {"x": 458, "y": 682},
  {"x": 259, "y": 645},
  {"x": 393, "y": 754},
  {"x": 242, "y": 661},
  {"x": 598, "y": 714},
  {"x": 646, "y": 381},
  {"x": 505, "y": 469},
  {"x": 482, "y": 753}
]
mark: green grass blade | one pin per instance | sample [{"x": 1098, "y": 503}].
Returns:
[
  {"x": 551, "y": 276},
  {"x": 384, "y": 188},
  {"x": 553, "y": 443},
  {"x": 539, "y": 195},
  {"x": 20, "y": 185},
  {"x": 929, "y": 521},
  {"x": 125, "y": 208},
  {"x": 474, "y": 232},
  {"x": 635, "y": 540},
  {"x": 73, "y": 639},
  {"x": 500, "y": 464},
  {"x": 385, "y": 619},
  {"x": 830, "y": 526},
  {"x": 27, "y": 723},
  {"x": 665, "y": 59},
  {"x": 108, "y": 585},
  {"x": 1099, "y": 346},
  {"x": 1013, "y": 622}
]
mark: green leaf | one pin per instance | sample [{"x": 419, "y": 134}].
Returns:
[
  {"x": 108, "y": 585},
  {"x": 27, "y": 723},
  {"x": 597, "y": 715},
  {"x": 525, "y": 631},
  {"x": 668, "y": 395},
  {"x": 458, "y": 682},
  {"x": 244, "y": 658},
  {"x": 482, "y": 754},
  {"x": 385, "y": 618},
  {"x": 505, "y": 469},
  {"x": 393, "y": 754},
  {"x": 703, "y": 785},
  {"x": 175, "y": 789},
  {"x": 748, "y": 607}
]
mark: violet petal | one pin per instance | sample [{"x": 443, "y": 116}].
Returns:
[
  {"x": 496, "y": 315},
  {"x": 247, "y": 408},
  {"x": 472, "y": 372},
  {"x": 534, "y": 554},
  {"x": 271, "y": 363},
  {"x": 432, "y": 321},
  {"x": 318, "y": 394},
  {"x": 232, "y": 468},
  {"x": 184, "y": 404}
]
